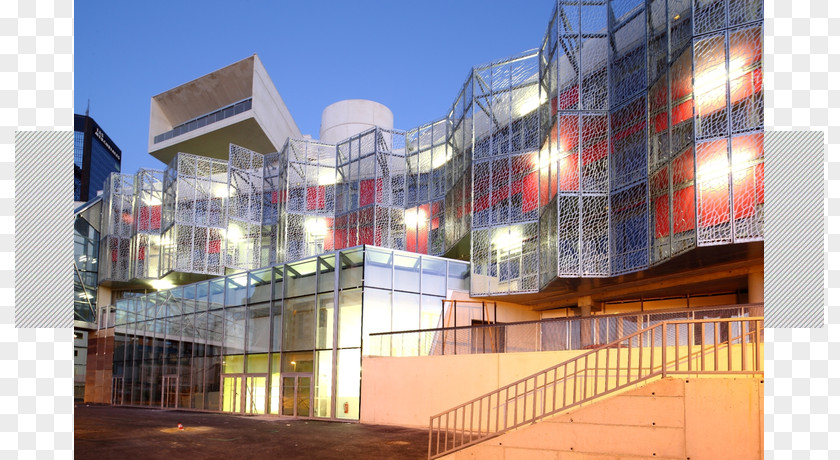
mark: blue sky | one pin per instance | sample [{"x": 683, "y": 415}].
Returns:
[{"x": 412, "y": 57}]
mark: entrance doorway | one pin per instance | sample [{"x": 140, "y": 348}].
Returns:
[
  {"x": 244, "y": 394},
  {"x": 297, "y": 395},
  {"x": 169, "y": 392}
]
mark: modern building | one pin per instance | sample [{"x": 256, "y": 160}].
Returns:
[
  {"x": 95, "y": 157},
  {"x": 570, "y": 197}
]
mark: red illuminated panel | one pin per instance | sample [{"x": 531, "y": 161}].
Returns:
[
  {"x": 367, "y": 192},
  {"x": 315, "y": 198},
  {"x": 683, "y": 209},
  {"x": 713, "y": 180},
  {"x": 568, "y": 99},
  {"x": 149, "y": 218},
  {"x": 529, "y": 192},
  {"x": 329, "y": 242},
  {"x": 660, "y": 206}
]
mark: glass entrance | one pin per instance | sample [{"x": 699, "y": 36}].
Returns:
[
  {"x": 232, "y": 393},
  {"x": 169, "y": 392},
  {"x": 297, "y": 395},
  {"x": 244, "y": 394}
]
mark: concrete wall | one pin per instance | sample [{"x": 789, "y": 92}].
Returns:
[
  {"x": 708, "y": 418},
  {"x": 344, "y": 119},
  {"x": 407, "y": 391},
  {"x": 270, "y": 110}
]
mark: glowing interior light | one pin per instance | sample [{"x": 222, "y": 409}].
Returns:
[
  {"x": 151, "y": 201},
  {"x": 316, "y": 227},
  {"x": 413, "y": 217},
  {"x": 234, "y": 234},
  {"x": 220, "y": 191},
  {"x": 545, "y": 158},
  {"x": 529, "y": 105},
  {"x": 440, "y": 160},
  {"x": 508, "y": 242},
  {"x": 326, "y": 177},
  {"x": 162, "y": 285},
  {"x": 716, "y": 76}
]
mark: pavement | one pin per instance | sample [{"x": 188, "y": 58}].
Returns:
[{"x": 144, "y": 433}]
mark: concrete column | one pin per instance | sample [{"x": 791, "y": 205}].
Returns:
[
  {"x": 585, "y": 306},
  {"x": 755, "y": 291},
  {"x": 755, "y": 287}
]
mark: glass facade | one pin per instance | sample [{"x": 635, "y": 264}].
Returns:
[
  {"x": 284, "y": 339},
  {"x": 86, "y": 270},
  {"x": 632, "y": 135}
]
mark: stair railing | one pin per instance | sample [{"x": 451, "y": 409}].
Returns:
[{"x": 685, "y": 347}]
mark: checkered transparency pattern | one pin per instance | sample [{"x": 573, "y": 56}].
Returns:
[
  {"x": 36, "y": 77},
  {"x": 802, "y": 395}
]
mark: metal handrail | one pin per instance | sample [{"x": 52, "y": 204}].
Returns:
[
  {"x": 681, "y": 347},
  {"x": 462, "y": 339}
]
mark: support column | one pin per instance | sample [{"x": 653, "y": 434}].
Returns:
[
  {"x": 755, "y": 291},
  {"x": 585, "y": 306}
]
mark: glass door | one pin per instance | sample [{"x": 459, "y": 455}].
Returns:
[
  {"x": 169, "y": 392},
  {"x": 232, "y": 393},
  {"x": 244, "y": 394},
  {"x": 255, "y": 394},
  {"x": 297, "y": 395}
]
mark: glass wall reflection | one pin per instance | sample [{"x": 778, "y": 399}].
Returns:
[{"x": 286, "y": 339}]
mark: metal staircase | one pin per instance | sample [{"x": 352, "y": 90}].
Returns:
[{"x": 689, "y": 347}]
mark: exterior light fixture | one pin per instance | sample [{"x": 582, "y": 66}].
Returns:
[{"x": 414, "y": 217}]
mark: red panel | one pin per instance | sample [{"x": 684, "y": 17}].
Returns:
[
  {"x": 329, "y": 242},
  {"x": 379, "y": 190},
  {"x": 743, "y": 191},
  {"x": 214, "y": 246},
  {"x": 683, "y": 209},
  {"x": 156, "y": 217},
  {"x": 500, "y": 195},
  {"x": 630, "y": 130},
  {"x": 683, "y": 167},
  {"x": 568, "y": 98},
  {"x": 340, "y": 238},
  {"x": 365, "y": 235},
  {"x": 660, "y": 122},
  {"x": 529, "y": 192},
  {"x": 367, "y": 192},
  {"x": 411, "y": 239},
  {"x": 660, "y": 206},
  {"x": 141, "y": 253},
  {"x": 594, "y": 152},
  {"x": 481, "y": 203},
  {"x": 759, "y": 183},
  {"x": 682, "y": 112},
  {"x": 315, "y": 198}
]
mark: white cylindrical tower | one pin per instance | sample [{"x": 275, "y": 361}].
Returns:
[{"x": 343, "y": 119}]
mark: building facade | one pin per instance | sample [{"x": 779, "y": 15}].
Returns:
[
  {"x": 95, "y": 157},
  {"x": 619, "y": 164}
]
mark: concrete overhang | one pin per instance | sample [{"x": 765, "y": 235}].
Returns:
[
  {"x": 200, "y": 108},
  {"x": 213, "y": 141}
]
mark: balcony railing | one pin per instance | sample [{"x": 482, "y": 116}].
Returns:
[
  {"x": 555, "y": 334},
  {"x": 709, "y": 346},
  {"x": 204, "y": 120}
]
